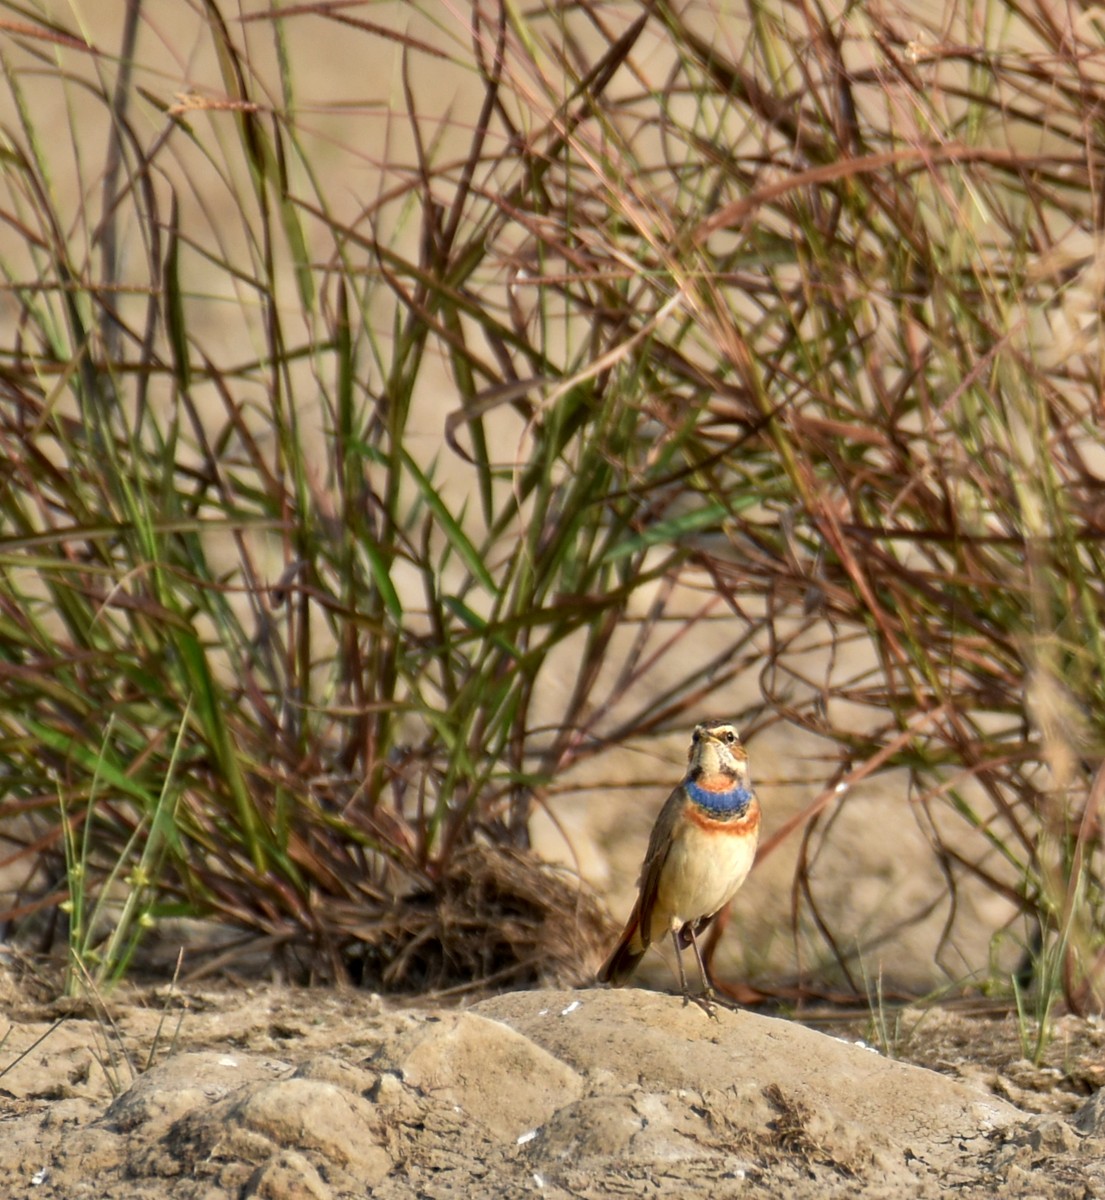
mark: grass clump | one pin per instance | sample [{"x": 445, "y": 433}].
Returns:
[{"x": 334, "y": 448}]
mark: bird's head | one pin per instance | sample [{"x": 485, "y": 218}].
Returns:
[{"x": 716, "y": 750}]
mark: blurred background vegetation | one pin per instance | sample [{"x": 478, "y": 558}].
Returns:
[{"x": 401, "y": 404}]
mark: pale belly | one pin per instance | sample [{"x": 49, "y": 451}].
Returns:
[{"x": 702, "y": 874}]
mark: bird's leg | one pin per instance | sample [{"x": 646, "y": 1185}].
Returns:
[
  {"x": 705, "y": 1000},
  {"x": 710, "y": 998},
  {"x": 679, "y": 962}
]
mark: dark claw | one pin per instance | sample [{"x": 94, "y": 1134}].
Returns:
[{"x": 705, "y": 1001}]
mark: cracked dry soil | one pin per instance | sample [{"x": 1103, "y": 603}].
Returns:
[{"x": 287, "y": 1094}]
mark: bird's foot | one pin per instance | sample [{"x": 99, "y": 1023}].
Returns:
[
  {"x": 725, "y": 1002},
  {"x": 706, "y": 1000},
  {"x": 709, "y": 1001}
]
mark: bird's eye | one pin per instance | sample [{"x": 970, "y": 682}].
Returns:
[
  {"x": 695, "y": 736},
  {"x": 730, "y": 736}
]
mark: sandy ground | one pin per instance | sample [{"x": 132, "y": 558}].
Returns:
[{"x": 267, "y": 1091}]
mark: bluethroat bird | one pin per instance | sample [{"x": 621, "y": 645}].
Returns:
[{"x": 700, "y": 852}]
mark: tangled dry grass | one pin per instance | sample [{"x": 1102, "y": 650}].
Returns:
[{"x": 786, "y": 322}]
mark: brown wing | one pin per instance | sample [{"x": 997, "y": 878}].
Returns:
[{"x": 659, "y": 846}]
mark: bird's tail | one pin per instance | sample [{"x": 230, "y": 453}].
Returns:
[{"x": 626, "y": 955}]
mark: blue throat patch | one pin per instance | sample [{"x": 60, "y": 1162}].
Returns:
[{"x": 733, "y": 803}]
